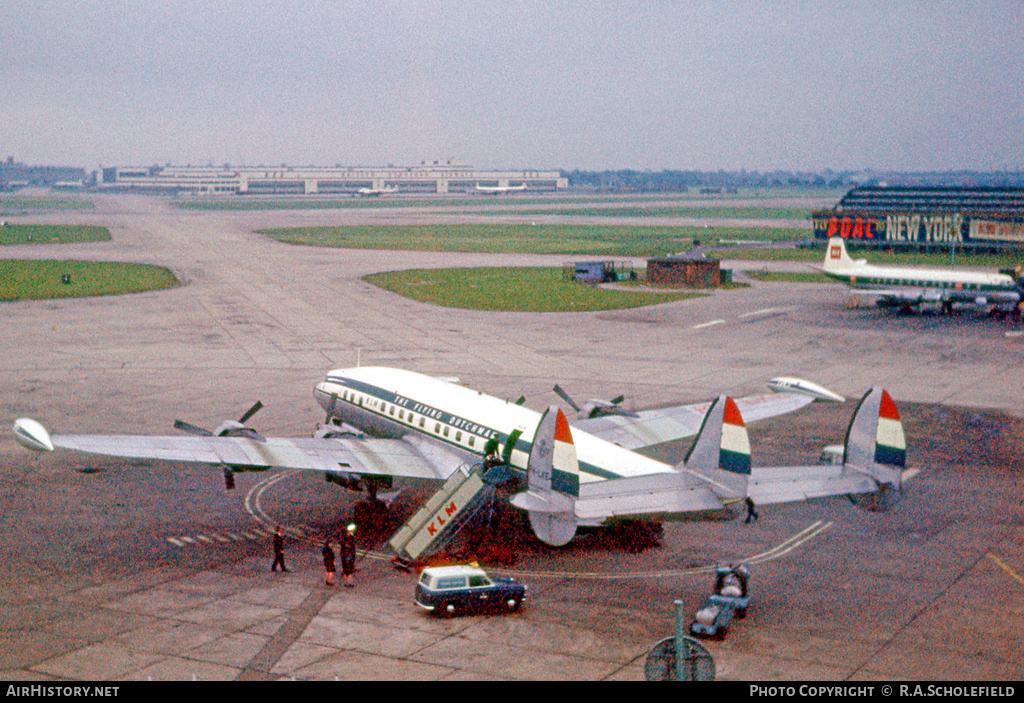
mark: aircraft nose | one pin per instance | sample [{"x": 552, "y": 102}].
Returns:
[{"x": 325, "y": 395}]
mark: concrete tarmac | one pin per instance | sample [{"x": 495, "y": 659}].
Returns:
[{"x": 135, "y": 570}]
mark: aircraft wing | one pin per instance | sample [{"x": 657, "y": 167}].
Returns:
[
  {"x": 664, "y": 496},
  {"x": 767, "y": 486},
  {"x": 651, "y": 427},
  {"x": 654, "y": 495},
  {"x": 386, "y": 457}
]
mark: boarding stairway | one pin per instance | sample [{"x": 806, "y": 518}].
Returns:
[{"x": 466, "y": 493}]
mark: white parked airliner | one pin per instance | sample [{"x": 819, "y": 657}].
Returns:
[
  {"x": 910, "y": 287},
  {"x": 423, "y": 427},
  {"x": 500, "y": 189},
  {"x": 368, "y": 192}
]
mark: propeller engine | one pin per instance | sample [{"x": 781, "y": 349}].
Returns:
[
  {"x": 595, "y": 407},
  {"x": 228, "y": 428}
]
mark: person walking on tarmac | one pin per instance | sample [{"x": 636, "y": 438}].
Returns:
[
  {"x": 328, "y": 563},
  {"x": 279, "y": 550},
  {"x": 751, "y": 511},
  {"x": 348, "y": 555}
]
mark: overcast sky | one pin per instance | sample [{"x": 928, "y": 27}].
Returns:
[{"x": 757, "y": 85}]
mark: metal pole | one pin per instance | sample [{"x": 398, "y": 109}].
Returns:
[{"x": 680, "y": 643}]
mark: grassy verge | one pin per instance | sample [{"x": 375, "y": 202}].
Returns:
[
  {"x": 704, "y": 212},
  {"x": 570, "y": 240},
  {"x": 299, "y": 203},
  {"x": 513, "y": 290},
  {"x": 40, "y": 280},
  {"x": 789, "y": 276},
  {"x": 582, "y": 197},
  {"x": 52, "y": 234},
  {"x": 17, "y": 202}
]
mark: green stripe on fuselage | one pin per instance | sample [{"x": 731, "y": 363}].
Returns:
[{"x": 447, "y": 418}]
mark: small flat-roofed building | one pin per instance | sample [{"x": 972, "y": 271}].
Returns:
[{"x": 678, "y": 271}]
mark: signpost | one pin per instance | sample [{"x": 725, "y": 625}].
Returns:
[{"x": 694, "y": 662}]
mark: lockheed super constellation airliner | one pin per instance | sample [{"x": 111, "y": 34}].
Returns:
[{"x": 385, "y": 423}]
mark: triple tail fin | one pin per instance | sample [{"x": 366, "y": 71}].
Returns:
[
  {"x": 553, "y": 480},
  {"x": 721, "y": 453},
  {"x": 875, "y": 442}
]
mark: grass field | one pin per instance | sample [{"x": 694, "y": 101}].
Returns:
[
  {"x": 323, "y": 202},
  {"x": 52, "y": 234},
  {"x": 16, "y": 202},
  {"x": 570, "y": 240},
  {"x": 789, "y": 276},
  {"x": 702, "y": 211},
  {"x": 40, "y": 280},
  {"x": 513, "y": 290}
]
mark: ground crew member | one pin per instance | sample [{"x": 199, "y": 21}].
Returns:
[
  {"x": 348, "y": 555},
  {"x": 328, "y": 563},
  {"x": 279, "y": 550}
]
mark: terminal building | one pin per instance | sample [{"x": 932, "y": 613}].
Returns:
[
  {"x": 313, "y": 180},
  {"x": 973, "y": 219}
]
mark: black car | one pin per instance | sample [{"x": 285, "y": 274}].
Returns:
[{"x": 447, "y": 590}]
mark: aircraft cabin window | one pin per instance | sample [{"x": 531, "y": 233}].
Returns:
[
  {"x": 458, "y": 436},
  {"x": 445, "y": 431},
  {"x": 423, "y": 421},
  {"x": 437, "y": 428},
  {"x": 471, "y": 440},
  {"x": 401, "y": 414}
]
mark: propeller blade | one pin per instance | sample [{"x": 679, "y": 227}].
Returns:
[
  {"x": 191, "y": 429},
  {"x": 250, "y": 412},
  {"x": 513, "y": 437},
  {"x": 565, "y": 396}
]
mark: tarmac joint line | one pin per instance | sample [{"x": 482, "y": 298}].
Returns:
[{"x": 298, "y": 619}]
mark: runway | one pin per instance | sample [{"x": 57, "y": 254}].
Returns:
[{"x": 94, "y": 589}]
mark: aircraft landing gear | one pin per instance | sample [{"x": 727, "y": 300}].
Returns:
[{"x": 372, "y": 517}]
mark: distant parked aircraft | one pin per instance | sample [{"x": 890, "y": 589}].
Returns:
[
  {"x": 373, "y": 192},
  {"x": 910, "y": 287},
  {"x": 500, "y": 189}
]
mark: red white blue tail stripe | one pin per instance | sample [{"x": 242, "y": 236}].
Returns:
[{"x": 890, "y": 443}]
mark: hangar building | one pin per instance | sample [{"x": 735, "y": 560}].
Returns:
[{"x": 973, "y": 219}]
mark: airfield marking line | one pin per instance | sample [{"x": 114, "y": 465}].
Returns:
[
  {"x": 707, "y": 324},
  {"x": 792, "y": 543},
  {"x": 765, "y": 311},
  {"x": 1008, "y": 570}
]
